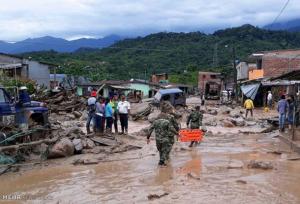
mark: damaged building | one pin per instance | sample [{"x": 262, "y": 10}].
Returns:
[
  {"x": 275, "y": 71},
  {"x": 16, "y": 67}
]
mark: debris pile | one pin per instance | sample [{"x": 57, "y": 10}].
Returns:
[
  {"x": 66, "y": 101},
  {"x": 141, "y": 111},
  {"x": 265, "y": 165}
]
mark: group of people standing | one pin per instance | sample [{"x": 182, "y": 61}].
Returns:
[
  {"x": 105, "y": 112},
  {"x": 286, "y": 108}
]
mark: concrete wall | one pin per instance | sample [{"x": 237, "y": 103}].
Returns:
[
  {"x": 242, "y": 71},
  {"x": 39, "y": 72},
  {"x": 9, "y": 59},
  {"x": 21, "y": 71}
]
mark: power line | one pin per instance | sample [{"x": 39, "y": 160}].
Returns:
[{"x": 281, "y": 11}]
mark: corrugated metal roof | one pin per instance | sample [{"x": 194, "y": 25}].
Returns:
[{"x": 250, "y": 90}]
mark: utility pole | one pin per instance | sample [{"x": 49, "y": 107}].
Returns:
[{"x": 235, "y": 72}]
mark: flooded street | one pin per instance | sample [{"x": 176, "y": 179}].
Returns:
[{"x": 214, "y": 172}]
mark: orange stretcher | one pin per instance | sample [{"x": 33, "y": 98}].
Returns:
[{"x": 188, "y": 135}]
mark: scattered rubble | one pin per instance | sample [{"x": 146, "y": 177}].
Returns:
[
  {"x": 228, "y": 123},
  {"x": 85, "y": 161},
  {"x": 65, "y": 101},
  {"x": 241, "y": 181},
  {"x": 260, "y": 165},
  {"x": 238, "y": 121},
  {"x": 157, "y": 196},
  {"x": 193, "y": 176}
]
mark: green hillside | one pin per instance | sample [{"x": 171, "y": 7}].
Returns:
[{"x": 170, "y": 52}]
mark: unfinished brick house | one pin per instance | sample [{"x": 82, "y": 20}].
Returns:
[
  {"x": 273, "y": 63},
  {"x": 158, "y": 78},
  {"x": 210, "y": 83}
]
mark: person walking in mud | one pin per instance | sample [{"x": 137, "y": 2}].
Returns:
[
  {"x": 195, "y": 121},
  {"x": 164, "y": 131},
  {"x": 164, "y": 143},
  {"x": 249, "y": 106},
  {"x": 166, "y": 113}
]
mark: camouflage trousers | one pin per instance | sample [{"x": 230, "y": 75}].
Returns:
[{"x": 164, "y": 149}]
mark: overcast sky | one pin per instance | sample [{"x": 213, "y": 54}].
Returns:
[{"x": 20, "y": 19}]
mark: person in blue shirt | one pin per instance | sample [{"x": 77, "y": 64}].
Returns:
[
  {"x": 24, "y": 98},
  {"x": 282, "y": 109},
  {"x": 108, "y": 115}
]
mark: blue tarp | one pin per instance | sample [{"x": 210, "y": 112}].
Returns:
[{"x": 250, "y": 90}]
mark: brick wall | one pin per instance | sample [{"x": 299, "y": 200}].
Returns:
[
  {"x": 274, "y": 66},
  {"x": 157, "y": 78}
]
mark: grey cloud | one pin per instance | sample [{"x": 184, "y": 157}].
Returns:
[{"x": 67, "y": 18}]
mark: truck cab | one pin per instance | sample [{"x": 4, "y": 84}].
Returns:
[{"x": 11, "y": 112}]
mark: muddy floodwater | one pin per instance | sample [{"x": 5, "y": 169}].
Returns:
[{"x": 214, "y": 172}]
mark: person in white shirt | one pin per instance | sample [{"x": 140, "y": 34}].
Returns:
[
  {"x": 124, "y": 110},
  {"x": 269, "y": 99}
]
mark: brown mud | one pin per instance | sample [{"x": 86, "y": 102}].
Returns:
[{"x": 214, "y": 172}]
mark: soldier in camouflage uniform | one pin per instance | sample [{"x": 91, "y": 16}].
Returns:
[
  {"x": 166, "y": 113},
  {"x": 195, "y": 121},
  {"x": 164, "y": 131},
  {"x": 166, "y": 128}
]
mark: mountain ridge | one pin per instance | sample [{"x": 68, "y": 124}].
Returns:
[
  {"x": 58, "y": 44},
  {"x": 290, "y": 25}
]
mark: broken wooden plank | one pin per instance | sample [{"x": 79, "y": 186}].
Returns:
[{"x": 104, "y": 141}]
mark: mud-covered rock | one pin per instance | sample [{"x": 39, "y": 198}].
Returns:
[
  {"x": 209, "y": 120},
  {"x": 77, "y": 114},
  {"x": 227, "y": 123},
  {"x": 225, "y": 110},
  {"x": 212, "y": 112},
  {"x": 72, "y": 131},
  {"x": 70, "y": 116},
  {"x": 250, "y": 123},
  {"x": 240, "y": 122},
  {"x": 88, "y": 144},
  {"x": 77, "y": 145},
  {"x": 236, "y": 113},
  {"x": 265, "y": 165},
  {"x": 62, "y": 148}
]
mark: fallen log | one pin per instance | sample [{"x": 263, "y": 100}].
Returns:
[{"x": 30, "y": 144}]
